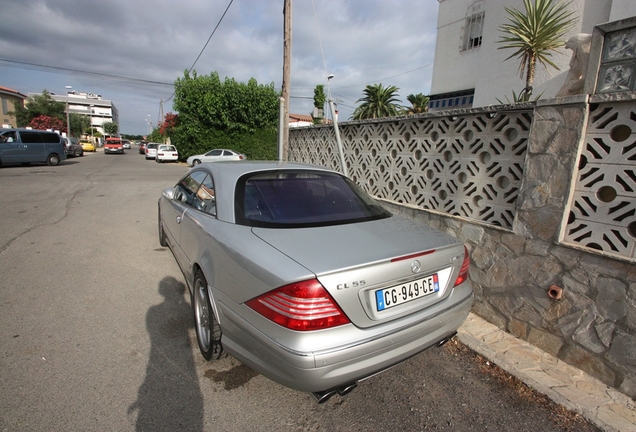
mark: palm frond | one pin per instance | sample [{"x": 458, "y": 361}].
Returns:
[{"x": 535, "y": 33}]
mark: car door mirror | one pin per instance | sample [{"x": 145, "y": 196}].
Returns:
[{"x": 168, "y": 193}]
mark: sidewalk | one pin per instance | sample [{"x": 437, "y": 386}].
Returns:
[{"x": 601, "y": 405}]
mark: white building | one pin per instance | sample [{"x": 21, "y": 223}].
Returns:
[
  {"x": 470, "y": 71},
  {"x": 99, "y": 110}
]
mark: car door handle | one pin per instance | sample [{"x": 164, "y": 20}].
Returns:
[{"x": 178, "y": 219}]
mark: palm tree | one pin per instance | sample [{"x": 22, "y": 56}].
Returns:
[
  {"x": 419, "y": 103},
  {"x": 378, "y": 102},
  {"x": 535, "y": 34}
]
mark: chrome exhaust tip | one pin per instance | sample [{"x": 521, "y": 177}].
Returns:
[
  {"x": 446, "y": 339},
  {"x": 347, "y": 388},
  {"x": 323, "y": 396}
]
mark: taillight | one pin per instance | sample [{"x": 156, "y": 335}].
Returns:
[
  {"x": 240, "y": 156},
  {"x": 463, "y": 271},
  {"x": 300, "y": 306}
]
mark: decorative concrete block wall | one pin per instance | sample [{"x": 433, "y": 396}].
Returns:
[{"x": 512, "y": 182}]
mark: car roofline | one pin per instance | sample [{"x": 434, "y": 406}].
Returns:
[{"x": 226, "y": 174}]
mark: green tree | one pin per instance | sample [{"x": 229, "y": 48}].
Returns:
[
  {"x": 215, "y": 113},
  {"x": 79, "y": 124},
  {"x": 319, "y": 103},
  {"x": 378, "y": 102},
  {"x": 419, "y": 103},
  {"x": 110, "y": 128},
  {"x": 535, "y": 34},
  {"x": 39, "y": 105}
]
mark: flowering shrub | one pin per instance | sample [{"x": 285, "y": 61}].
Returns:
[
  {"x": 45, "y": 122},
  {"x": 170, "y": 121}
]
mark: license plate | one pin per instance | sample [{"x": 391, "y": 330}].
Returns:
[{"x": 390, "y": 297}]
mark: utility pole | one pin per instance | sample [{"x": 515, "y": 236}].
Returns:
[{"x": 287, "y": 46}]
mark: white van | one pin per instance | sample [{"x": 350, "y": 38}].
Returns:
[{"x": 25, "y": 146}]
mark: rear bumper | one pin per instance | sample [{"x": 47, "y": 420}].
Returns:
[{"x": 369, "y": 352}]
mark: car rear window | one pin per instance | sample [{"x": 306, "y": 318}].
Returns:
[{"x": 296, "y": 199}]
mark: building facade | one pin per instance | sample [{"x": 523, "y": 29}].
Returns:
[
  {"x": 9, "y": 98},
  {"x": 92, "y": 105},
  {"x": 470, "y": 71}
]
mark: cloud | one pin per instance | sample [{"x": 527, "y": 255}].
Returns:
[{"x": 359, "y": 41}]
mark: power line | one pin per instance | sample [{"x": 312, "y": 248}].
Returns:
[
  {"x": 212, "y": 34},
  {"x": 206, "y": 44},
  {"x": 56, "y": 69},
  {"x": 370, "y": 82},
  {"x": 386, "y": 78}
]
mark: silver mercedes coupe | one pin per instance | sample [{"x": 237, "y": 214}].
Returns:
[{"x": 298, "y": 273}]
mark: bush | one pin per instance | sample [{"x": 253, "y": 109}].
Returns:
[{"x": 259, "y": 145}]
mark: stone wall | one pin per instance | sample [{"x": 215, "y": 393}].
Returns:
[{"x": 573, "y": 301}]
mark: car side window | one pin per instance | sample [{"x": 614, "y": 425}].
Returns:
[
  {"x": 197, "y": 191},
  {"x": 227, "y": 153},
  {"x": 206, "y": 196},
  {"x": 215, "y": 153},
  {"x": 8, "y": 137},
  {"x": 31, "y": 137}
]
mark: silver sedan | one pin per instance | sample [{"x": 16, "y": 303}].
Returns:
[
  {"x": 215, "y": 156},
  {"x": 299, "y": 274}
]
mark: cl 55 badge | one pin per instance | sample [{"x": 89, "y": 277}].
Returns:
[{"x": 354, "y": 284}]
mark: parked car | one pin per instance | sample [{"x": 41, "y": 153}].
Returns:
[
  {"x": 26, "y": 146},
  {"x": 151, "y": 150},
  {"x": 298, "y": 273},
  {"x": 142, "y": 148},
  {"x": 113, "y": 145},
  {"x": 167, "y": 153},
  {"x": 87, "y": 146},
  {"x": 214, "y": 156},
  {"x": 73, "y": 147}
]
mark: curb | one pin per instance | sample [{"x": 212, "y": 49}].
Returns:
[{"x": 566, "y": 385}]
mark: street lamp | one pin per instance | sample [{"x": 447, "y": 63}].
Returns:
[
  {"x": 148, "y": 117},
  {"x": 334, "y": 117},
  {"x": 68, "y": 119}
]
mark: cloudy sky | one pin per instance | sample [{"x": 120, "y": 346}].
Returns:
[{"x": 131, "y": 52}]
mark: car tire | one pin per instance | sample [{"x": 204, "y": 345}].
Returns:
[
  {"x": 53, "y": 160},
  {"x": 196, "y": 162},
  {"x": 205, "y": 322}
]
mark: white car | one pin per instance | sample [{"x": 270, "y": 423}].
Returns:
[
  {"x": 215, "y": 156},
  {"x": 151, "y": 150},
  {"x": 167, "y": 153}
]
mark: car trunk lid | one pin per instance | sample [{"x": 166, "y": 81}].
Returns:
[{"x": 356, "y": 261}]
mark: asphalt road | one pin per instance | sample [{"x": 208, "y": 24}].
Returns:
[{"x": 96, "y": 329}]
